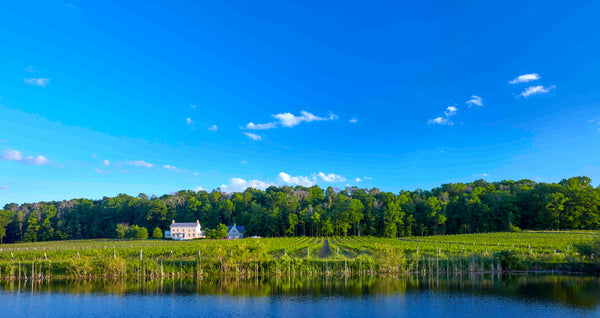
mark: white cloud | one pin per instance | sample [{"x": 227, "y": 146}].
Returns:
[
  {"x": 12, "y": 155},
  {"x": 450, "y": 111},
  {"x": 439, "y": 121},
  {"x": 192, "y": 106},
  {"x": 168, "y": 167},
  {"x": 290, "y": 120},
  {"x": 353, "y": 120},
  {"x": 94, "y": 156},
  {"x": 213, "y": 128},
  {"x": 475, "y": 100},
  {"x": 198, "y": 189},
  {"x": 357, "y": 180},
  {"x": 525, "y": 78},
  {"x": 39, "y": 160},
  {"x": 244, "y": 162},
  {"x": 299, "y": 180},
  {"x": 533, "y": 90},
  {"x": 106, "y": 162},
  {"x": 37, "y": 81},
  {"x": 253, "y": 136},
  {"x": 196, "y": 173},
  {"x": 331, "y": 177},
  {"x": 4, "y": 187},
  {"x": 15, "y": 155},
  {"x": 368, "y": 178},
  {"x": 140, "y": 163},
  {"x": 254, "y": 126},
  {"x": 239, "y": 185},
  {"x": 188, "y": 121},
  {"x": 101, "y": 171}
]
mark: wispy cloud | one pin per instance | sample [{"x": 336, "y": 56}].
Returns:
[
  {"x": 169, "y": 167},
  {"x": 140, "y": 163},
  {"x": 188, "y": 121},
  {"x": 106, "y": 162},
  {"x": 331, "y": 177},
  {"x": 525, "y": 78},
  {"x": 192, "y": 106},
  {"x": 363, "y": 179},
  {"x": 30, "y": 69},
  {"x": 101, "y": 171},
  {"x": 43, "y": 82},
  {"x": 72, "y": 7},
  {"x": 213, "y": 128},
  {"x": 533, "y": 90},
  {"x": 198, "y": 189},
  {"x": 239, "y": 185},
  {"x": 289, "y": 120},
  {"x": 254, "y": 126},
  {"x": 4, "y": 187},
  {"x": 15, "y": 155},
  {"x": 450, "y": 111},
  {"x": 252, "y": 136},
  {"x": 310, "y": 180},
  {"x": 299, "y": 180},
  {"x": 475, "y": 101},
  {"x": 353, "y": 120}
]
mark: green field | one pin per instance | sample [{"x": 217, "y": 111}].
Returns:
[{"x": 343, "y": 256}]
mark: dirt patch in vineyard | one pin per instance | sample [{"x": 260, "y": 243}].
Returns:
[{"x": 325, "y": 250}]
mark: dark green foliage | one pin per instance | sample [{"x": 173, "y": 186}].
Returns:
[
  {"x": 458, "y": 208},
  {"x": 508, "y": 260}
]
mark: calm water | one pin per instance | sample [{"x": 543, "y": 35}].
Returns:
[{"x": 516, "y": 295}]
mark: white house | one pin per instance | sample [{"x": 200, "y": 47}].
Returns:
[
  {"x": 235, "y": 232},
  {"x": 186, "y": 231}
]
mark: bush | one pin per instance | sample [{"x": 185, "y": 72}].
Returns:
[
  {"x": 514, "y": 228},
  {"x": 508, "y": 260},
  {"x": 590, "y": 250}
]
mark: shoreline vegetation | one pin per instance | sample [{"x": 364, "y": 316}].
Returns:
[{"x": 341, "y": 257}]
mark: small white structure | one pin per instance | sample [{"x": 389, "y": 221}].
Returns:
[
  {"x": 186, "y": 231},
  {"x": 235, "y": 232}
]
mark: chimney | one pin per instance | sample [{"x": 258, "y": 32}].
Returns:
[
  {"x": 197, "y": 221},
  {"x": 173, "y": 222}
]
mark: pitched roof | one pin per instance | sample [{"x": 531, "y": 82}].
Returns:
[
  {"x": 184, "y": 224},
  {"x": 240, "y": 228}
]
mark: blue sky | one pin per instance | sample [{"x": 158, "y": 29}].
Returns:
[{"x": 100, "y": 97}]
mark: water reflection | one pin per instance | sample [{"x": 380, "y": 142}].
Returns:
[{"x": 581, "y": 292}]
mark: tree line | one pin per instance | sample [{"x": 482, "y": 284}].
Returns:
[{"x": 452, "y": 208}]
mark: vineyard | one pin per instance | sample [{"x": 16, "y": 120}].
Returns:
[{"x": 337, "y": 256}]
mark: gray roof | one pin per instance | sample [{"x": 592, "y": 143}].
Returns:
[
  {"x": 240, "y": 228},
  {"x": 184, "y": 224}
]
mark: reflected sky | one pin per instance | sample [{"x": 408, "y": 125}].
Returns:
[{"x": 516, "y": 295}]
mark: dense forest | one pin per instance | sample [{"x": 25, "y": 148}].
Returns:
[{"x": 454, "y": 208}]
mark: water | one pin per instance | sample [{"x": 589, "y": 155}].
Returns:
[{"x": 515, "y": 295}]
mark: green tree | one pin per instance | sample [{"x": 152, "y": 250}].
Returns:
[
  {"x": 222, "y": 230},
  {"x": 5, "y": 219},
  {"x": 121, "y": 230},
  {"x": 157, "y": 233},
  {"x": 142, "y": 233},
  {"x": 33, "y": 227}
]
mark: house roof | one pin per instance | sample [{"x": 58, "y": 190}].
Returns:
[
  {"x": 184, "y": 224},
  {"x": 240, "y": 228}
]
